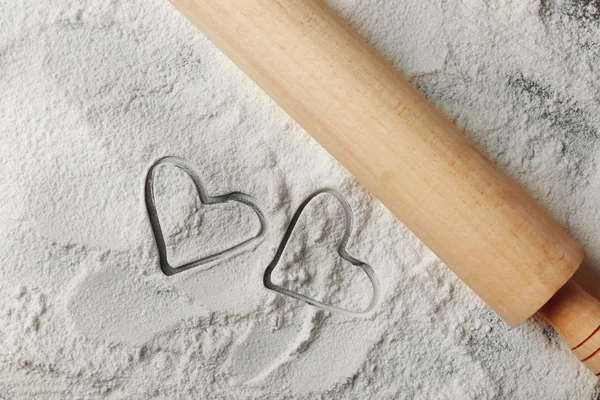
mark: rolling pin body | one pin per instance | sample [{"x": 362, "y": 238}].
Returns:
[{"x": 409, "y": 155}]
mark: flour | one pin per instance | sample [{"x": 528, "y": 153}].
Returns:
[{"x": 94, "y": 93}]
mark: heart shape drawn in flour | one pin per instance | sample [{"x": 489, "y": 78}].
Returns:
[
  {"x": 349, "y": 220},
  {"x": 206, "y": 199}
]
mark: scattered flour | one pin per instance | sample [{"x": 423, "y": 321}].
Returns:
[{"x": 94, "y": 92}]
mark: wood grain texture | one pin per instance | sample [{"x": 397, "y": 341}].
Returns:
[
  {"x": 588, "y": 347},
  {"x": 409, "y": 155},
  {"x": 575, "y": 315}
]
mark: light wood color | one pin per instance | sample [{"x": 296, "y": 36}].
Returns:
[
  {"x": 575, "y": 315},
  {"x": 593, "y": 364},
  {"x": 589, "y": 346},
  {"x": 409, "y": 155}
]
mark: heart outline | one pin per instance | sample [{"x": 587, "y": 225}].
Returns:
[
  {"x": 342, "y": 252},
  {"x": 206, "y": 199}
]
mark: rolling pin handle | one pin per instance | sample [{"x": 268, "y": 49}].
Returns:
[{"x": 575, "y": 315}]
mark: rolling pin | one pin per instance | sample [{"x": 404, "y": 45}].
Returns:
[{"x": 481, "y": 224}]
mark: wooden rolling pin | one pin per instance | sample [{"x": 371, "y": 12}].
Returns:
[{"x": 411, "y": 157}]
